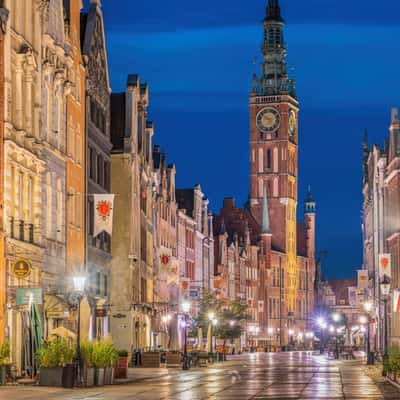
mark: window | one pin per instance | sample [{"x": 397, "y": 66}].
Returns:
[
  {"x": 78, "y": 145},
  {"x": 276, "y": 159},
  {"x": 100, "y": 170},
  {"x": 106, "y": 175},
  {"x": 92, "y": 163},
  {"x": 98, "y": 281},
  {"x": 105, "y": 285},
  {"x": 79, "y": 210},
  {"x": 71, "y": 206},
  {"x": 268, "y": 159},
  {"x": 260, "y": 188},
  {"x": 91, "y": 217},
  {"x": 49, "y": 205},
  {"x": 71, "y": 142},
  {"x": 260, "y": 160},
  {"x": 29, "y": 203},
  {"x": 276, "y": 187},
  {"x": 59, "y": 208},
  {"x": 20, "y": 196}
]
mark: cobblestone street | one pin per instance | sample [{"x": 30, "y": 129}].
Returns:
[{"x": 255, "y": 376}]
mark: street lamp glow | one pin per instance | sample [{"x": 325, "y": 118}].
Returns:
[
  {"x": 336, "y": 317},
  {"x": 321, "y": 322},
  {"x": 324, "y": 325},
  {"x": 185, "y": 307},
  {"x": 331, "y": 329},
  {"x": 270, "y": 331},
  {"x": 363, "y": 319},
  {"x": 291, "y": 332},
  {"x": 368, "y": 306},
  {"x": 79, "y": 282},
  {"x": 211, "y": 315},
  {"x": 232, "y": 323},
  {"x": 214, "y": 322},
  {"x": 310, "y": 335},
  {"x": 355, "y": 328}
]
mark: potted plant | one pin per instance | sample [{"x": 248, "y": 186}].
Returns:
[
  {"x": 52, "y": 357},
  {"x": 121, "y": 371},
  {"x": 98, "y": 362},
  {"x": 111, "y": 357},
  {"x": 4, "y": 361},
  {"x": 88, "y": 368}
]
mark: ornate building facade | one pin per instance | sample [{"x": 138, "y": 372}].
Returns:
[
  {"x": 381, "y": 226},
  {"x": 3, "y": 286},
  {"x": 98, "y": 163},
  {"x": 24, "y": 167}
]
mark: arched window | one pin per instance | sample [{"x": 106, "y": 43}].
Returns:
[
  {"x": 260, "y": 160},
  {"x": 29, "y": 198},
  {"x": 276, "y": 160},
  {"x": 268, "y": 159},
  {"x": 276, "y": 187}
]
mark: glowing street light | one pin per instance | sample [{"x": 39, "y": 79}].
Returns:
[
  {"x": 336, "y": 317},
  {"x": 363, "y": 319},
  {"x": 185, "y": 308},
  {"x": 368, "y": 306}
]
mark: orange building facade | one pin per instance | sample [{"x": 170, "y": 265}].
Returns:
[
  {"x": 76, "y": 145},
  {"x": 3, "y": 22}
]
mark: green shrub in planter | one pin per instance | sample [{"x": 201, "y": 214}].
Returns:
[
  {"x": 104, "y": 356},
  {"x": 88, "y": 367},
  {"x": 52, "y": 357},
  {"x": 4, "y": 361}
]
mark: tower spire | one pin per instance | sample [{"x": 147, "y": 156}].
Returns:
[
  {"x": 265, "y": 230},
  {"x": 274, "y": 10}
]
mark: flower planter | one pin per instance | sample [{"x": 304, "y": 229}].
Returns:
[
  {"x": 51, "y": 376},
  {"x": 99, "y": 376},
  {"x": 3, "y": 374},
  {"x": 108, "y": 375},
  {"x": 151, "y": 360},
  {"x": 121, "y": 372},
  {"x": 173, "y": 360},
  {"x": 88, "y": 377},
  {"x": 68, "y": 376}
]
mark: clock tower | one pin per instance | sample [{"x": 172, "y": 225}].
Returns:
[{"x": 273, "y": 145}]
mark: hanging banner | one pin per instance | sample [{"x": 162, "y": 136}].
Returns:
[
  {"x": 362, "y": 281},
  {"x": 396, "y": 300},
  {"x": 353, "y": 298},
  {"x": 185, "y": 285},
  {"x": 103, "y": 213},
  {"x": 385, "y": 266}
]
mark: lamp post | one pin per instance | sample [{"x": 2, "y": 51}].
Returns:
[
  {"x": 322, "y": 325},
  {"x": 385, "y": 290},
  {"x": 370, "y": 356},
  {"x": 79, "y": 286},
  {"x": 185, "y": 309},
  {"x": 270, "y": 333}
]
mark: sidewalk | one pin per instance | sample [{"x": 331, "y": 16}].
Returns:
[
  {"x": 375, "y": 373},
  {"x": 143, "y": 374}
]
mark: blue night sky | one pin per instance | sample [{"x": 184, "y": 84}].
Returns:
[{"x": 197, "y": 57}]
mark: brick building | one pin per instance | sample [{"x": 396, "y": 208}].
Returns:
[{"x": 286, "y": 248}]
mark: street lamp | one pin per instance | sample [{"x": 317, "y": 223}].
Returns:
[
  {"x": 370, "y": 356},
  {"x": 336, "y": 317},
  {"x": 385, "y": 290},
  {"x": 270, "y": 333},
  {"x": 185, "y": 309},
  {"x": 79, "y": 287}
]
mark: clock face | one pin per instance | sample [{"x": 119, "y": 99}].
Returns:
[
  {"x": 292, "y": 123},
  {"x": 268, "y": 120}
]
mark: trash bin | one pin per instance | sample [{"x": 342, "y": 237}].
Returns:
[{"x": 68, "y": 376}]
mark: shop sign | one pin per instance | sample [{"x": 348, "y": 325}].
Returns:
[
  {"x": 21, "y": 268},
  {"x": 194, "y": 293},
  {"x": 26, "y": 296},
  {"x": 57, "y": 314}
]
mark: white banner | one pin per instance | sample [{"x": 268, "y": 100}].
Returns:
[
  {"x": 385, "y": 266},
  {"x": 353, "y": 299},
  {"x": 396, "y": 300},
  {"x": 103, "y": 213},
  {"x": 362, "y": 275}
]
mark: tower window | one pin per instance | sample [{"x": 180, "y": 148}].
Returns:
[{"x": 268, "y": 159}]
